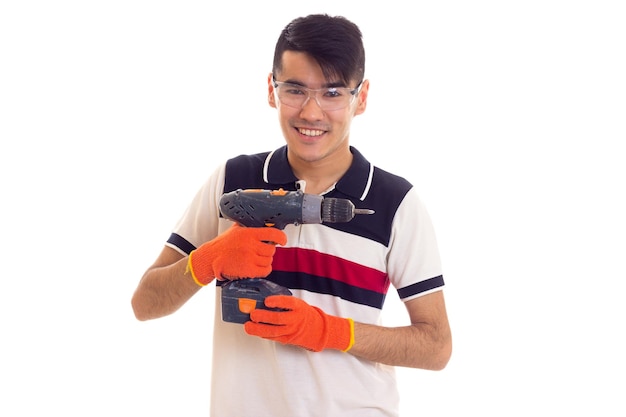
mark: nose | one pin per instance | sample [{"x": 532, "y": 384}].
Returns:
[{"x": 311, "y": 109}]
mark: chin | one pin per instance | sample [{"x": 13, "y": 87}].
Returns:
[{"x": 306, "y": 153}]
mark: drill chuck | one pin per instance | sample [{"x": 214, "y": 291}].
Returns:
[{"x": 338, "y": 210}]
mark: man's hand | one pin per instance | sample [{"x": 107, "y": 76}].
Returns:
[
  {"x": 239, "y": 252},
  {"x": 301, "y": 324}
]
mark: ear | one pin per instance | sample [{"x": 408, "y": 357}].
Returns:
[
  {"x": 271, "y": 97},
  {"x": 362, "y": 97}
]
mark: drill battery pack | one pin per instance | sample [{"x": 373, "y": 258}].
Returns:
[{"x": 240, "y": 297}]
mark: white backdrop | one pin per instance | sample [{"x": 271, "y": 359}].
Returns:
[{"x": 509, "y": 117}]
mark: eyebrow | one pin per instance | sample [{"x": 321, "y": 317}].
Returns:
[{"x": 336, "y": 84}]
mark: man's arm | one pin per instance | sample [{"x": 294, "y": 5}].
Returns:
[
  {"x": 173, "y": 278},
  {"x": 164, "y": 287},
  {"x": 425, "y": 344}
]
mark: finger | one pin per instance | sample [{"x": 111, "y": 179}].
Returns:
[
  {"x": 271, "y": 234},
  {"x": 267, "y": 331},
  {"x": 285, "y": 302},
  {"x": 263, "y": 249},
  {"x": 275, "y": 318}
]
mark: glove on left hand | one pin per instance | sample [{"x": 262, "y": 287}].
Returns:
[{"x": 302, "y": 325}]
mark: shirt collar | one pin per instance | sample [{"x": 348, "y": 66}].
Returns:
[{"x": 356, "y": 181}]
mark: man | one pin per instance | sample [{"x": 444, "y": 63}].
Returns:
[{"x": 324, "y": 353}]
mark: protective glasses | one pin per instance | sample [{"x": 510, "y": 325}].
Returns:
[{"x": 328, "y": 99}]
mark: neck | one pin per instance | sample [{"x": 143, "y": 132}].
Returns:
[{"x": 322, "y": 174}]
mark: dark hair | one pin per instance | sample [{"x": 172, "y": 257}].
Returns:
[{"x": 333, "y": 41}]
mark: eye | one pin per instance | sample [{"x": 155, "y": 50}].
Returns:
[
  {"x": 293, "y": 90},
  {"x": 333, "y": 93}
]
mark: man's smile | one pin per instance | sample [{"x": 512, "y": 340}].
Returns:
[{"x": 310, "y": 132}]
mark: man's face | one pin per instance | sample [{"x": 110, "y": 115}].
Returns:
[{"x": 314, "y": 134}]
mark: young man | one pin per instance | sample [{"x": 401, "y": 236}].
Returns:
[{"x": 324, "y": 353}]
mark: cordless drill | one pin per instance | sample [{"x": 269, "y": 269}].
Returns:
[{"x": 273, "y": 208}]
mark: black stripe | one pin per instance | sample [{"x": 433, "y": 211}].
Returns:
[
  {"x": 421, "y": 287},
  {"x": 181, "y": 243},
  {"x": 386, "y": 193}
]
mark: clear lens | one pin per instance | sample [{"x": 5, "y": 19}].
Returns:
[{"x": 328, "y": 99}]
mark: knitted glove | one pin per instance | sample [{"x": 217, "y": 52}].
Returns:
[
  {"x": 301, "y": 324},
  {"x": 239, "y": 252}
]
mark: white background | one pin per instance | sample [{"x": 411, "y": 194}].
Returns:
[{"x": 508, "y": 116}]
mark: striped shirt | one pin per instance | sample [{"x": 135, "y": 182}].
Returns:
[{"x": 346, "y": 269}]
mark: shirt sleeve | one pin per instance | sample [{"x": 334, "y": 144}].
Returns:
[
  {"x": 200, "y": 221},
  {"x": 414, "y": 263}
]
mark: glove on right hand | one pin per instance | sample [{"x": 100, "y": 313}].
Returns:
[{"x": 239, "y": 252}]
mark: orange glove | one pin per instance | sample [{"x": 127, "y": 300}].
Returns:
[
  {"x": 302, "y": 325},
  {"x": 239, "y": 252}
]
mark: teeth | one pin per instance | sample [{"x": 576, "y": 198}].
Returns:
[{"x": 309, "y": 132}]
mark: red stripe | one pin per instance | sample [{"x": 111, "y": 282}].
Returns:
[{"x": 315, "y": 263}]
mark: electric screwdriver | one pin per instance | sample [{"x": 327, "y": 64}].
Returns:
[
  {"x": 278, "y": 208},
  {"x": 273, "y": 208}
]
